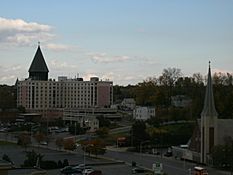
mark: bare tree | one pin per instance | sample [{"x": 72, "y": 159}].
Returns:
[{"x": 168, "y": 79}]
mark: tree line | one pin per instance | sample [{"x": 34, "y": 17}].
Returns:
[{"x": 157, "y": 91}]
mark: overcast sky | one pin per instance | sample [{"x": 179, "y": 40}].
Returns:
[{"x": 125, "y": 41}]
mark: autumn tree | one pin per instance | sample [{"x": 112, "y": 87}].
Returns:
[
  {"x": 69, "y": 144},
  {"x": 40, "y": 137},
  {"x": 96, "y": 147},
  {"x": 59, "y": 142},
  {"x": 102, "y": 132},
  {"x": 24, "y": 140}
]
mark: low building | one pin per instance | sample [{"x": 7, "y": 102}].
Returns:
[
  {"x": 181, "y": 101},
  {"x": 128, "y": 103},
  {"x": 84, "y": 117},
  {"x": 143, "y": 113}
]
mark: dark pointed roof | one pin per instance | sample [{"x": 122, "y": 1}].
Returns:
[
  {"x": 38, "y": 62},
  {"x": 209, "y": 106}
]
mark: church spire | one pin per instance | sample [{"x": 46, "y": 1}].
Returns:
[
  {"x": 38, "y": 69},
  {"x": 209, "y": 106}
]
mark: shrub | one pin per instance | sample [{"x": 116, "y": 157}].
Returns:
[
  {"x": 59, "y": 164},
  {"x": 48, "y": 164},
  {"x": 65, "y": 163}
]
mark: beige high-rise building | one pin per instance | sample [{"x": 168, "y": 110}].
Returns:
[{"x": 49, "y": 97}]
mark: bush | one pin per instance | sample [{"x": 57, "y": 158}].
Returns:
[
  {"x": 65, "y": 163},
  {"x": 6, "y": 158},
  {"x": 48, "y": 164},
  {"x": 31, "y": 159},
  {"x": 59, "y": 164}
]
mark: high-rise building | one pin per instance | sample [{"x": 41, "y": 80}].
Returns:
[{"x": 49, "y": 97}]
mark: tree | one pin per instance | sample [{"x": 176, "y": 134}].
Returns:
[
  {"x": 59, "y": 164},
  {"x": 103, "y": 122},
  {"x": 32, "y": 158},
  {"x": 139, "y": 133},
  {"x": 96, "y": 147},
  {"x": 21, "y": 109},
  {"x": 168, "y": 78},
  {"x": 145, "y": 92},
  {"x": 77, "y": 130},
  {"x": 7, "y": 97},
  {"x": 102, "y": 132},
  {"x": 223, "y": 155},
  {"x": 24, "y": 140},
  {"x": 40, "y": 137},
  {"x": 69, "y": 144},
  {"x": 59, "y": 142},
  {"x": 6, "y": 158},
  {"x": 65, "y": 162}
]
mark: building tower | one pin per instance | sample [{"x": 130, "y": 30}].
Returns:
[
  {"x": 209, "y": 119},
  {"x": 38, "y": 69}
]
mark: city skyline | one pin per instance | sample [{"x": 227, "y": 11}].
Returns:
[{"x": 123, "y": 41}]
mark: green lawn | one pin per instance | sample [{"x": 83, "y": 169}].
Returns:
[{"x": 6, "y": 143}]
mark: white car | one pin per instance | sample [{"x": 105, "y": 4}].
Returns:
[
  {"x": 44, "y": 143},
  {"x": 87, "y": 171}
]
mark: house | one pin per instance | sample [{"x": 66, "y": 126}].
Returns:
[
  {"x": 143, "y": 113},
  {"x": 180, "y": 101},
  {"x": 128, "y": 103}
]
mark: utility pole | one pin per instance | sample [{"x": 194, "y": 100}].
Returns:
[
  {"x": 231, "y": 157},
  {"x": 75, "y": 132}
]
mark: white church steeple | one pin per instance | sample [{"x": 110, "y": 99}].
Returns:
[
  {"x": 209, "y": 106},
  {"x": 209, "y": 120}
]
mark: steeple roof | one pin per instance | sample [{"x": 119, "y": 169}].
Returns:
[
  {"x": 38, "y": 63},
  {"x": 209, "y": 106}
]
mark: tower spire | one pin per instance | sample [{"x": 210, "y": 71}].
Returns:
[
  {"x": 38, "y": 69},
  {"x": 209, "y": 105}
]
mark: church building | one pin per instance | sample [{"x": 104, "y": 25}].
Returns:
[{"x": 209, "y": 132}]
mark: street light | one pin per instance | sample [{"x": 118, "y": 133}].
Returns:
[{"x": 143, "y": 143}]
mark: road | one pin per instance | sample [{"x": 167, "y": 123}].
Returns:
[{"x": 170, "y": 165}]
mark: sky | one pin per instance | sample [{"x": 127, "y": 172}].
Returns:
[{"x": 125, "y": 41}]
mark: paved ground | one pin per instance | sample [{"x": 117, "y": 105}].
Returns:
[
  {"x": 171, "y": 166},
  {"x": 106, "y": 170},
  {"x": 17, "y": 154}
]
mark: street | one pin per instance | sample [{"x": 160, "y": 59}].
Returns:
[{"x": 171, "y": 166}]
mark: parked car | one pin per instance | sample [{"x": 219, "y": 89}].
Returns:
[
  {"x": 95, "y": 172},
  {"x": 82, "y": 166},
  {"x": 138, "y": 170},
  {"x": 168, "y": 154},
  {"x": 43, "y": 143},
  {"x": 87, "y": 171},
  {"x": 70, "y": 170}
]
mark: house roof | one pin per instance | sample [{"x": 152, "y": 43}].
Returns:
[
  {"x": 209, "y": 106},
  {"x": 38, "y": 63}
]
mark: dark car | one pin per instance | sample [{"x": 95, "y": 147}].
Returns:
[
  {"x": 168, "y": 154},
  {"x": 138, "y": 170},
  {"x": 70, "y": 170},
  {"x": 95, "y": 172}
]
